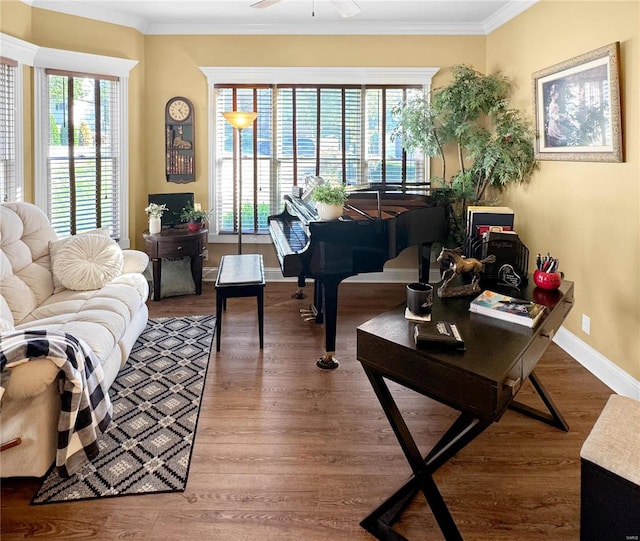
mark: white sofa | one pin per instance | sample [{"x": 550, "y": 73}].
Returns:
[{"x": 108, "y": 319}]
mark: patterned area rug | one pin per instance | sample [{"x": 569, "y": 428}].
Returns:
[{"x": 156, "y": 403}]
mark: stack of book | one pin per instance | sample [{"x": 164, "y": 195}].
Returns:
[
  {"x": 481, "y": 218},
  {"x": 506, "y": 308},
  {"x": 490, "y": 231}
]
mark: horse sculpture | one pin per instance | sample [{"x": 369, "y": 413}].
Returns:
[{"x": 459, "y": 264}]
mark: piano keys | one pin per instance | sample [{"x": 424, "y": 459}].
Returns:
[{"x": 379, "y": 222}]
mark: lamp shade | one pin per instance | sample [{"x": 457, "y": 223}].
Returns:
[{"x": 240, "y": 119}]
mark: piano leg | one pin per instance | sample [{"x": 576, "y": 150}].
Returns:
[
  {"x": 299, "y": 294},
  {"x": 328, "y": 296}
]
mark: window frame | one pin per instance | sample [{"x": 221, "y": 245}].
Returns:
[
  {"x": 59, "y": 59},
  {"x": 295, "y": 75}
]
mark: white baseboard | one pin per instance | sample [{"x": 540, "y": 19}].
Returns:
[{"x": 606, "y": 371}]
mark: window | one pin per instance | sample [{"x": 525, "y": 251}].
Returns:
[
  {"x": 81, "y": 141},
  {"x": 10, "y": 189},
  {"x": 83, "y": 157},
  {"x": 340, "y": 131}
]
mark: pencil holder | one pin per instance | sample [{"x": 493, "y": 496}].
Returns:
[{"x": 547, "y": 280}]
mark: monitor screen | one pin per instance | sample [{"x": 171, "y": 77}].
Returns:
[{"x": 175, "y": 203}]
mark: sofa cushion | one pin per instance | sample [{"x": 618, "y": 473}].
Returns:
[
  {"x": 6, "y": 325},
  {"x": 57, "y": 245},
  {"x": 88, "y": 262},
  {"x": 134, "y": 261},
  {"x": 99, "y": 317},
  {"x": 25, "y": 275}
]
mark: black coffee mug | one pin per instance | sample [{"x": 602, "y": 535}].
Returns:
[{"x": 419, "y": 298}]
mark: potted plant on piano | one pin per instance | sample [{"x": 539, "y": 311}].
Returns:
[
  {"x": 330, "y": 198},
  {"x": 195, "y": 217}
]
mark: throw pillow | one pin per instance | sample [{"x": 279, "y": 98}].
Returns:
[
  {"x": 176, "y": 278},
  {"x": 88, "y": 262},
  {"x": 56, "y": 246}
]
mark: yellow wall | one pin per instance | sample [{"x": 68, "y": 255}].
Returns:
[
  {"x": 15, "y": 19},
  {"x": 585, "y": 213},
  {"x": 49, "y": 29},
  {"x": 172, "y": 69}
]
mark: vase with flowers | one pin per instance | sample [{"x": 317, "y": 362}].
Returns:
[{"x": 155, "y": 212}]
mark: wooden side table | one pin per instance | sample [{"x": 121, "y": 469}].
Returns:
[{"x": 173, "y": 243}]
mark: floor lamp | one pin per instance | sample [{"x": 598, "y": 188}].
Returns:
[{"x": 240, "y": 121}]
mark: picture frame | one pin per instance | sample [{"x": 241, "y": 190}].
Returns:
[{"x": 577, "y": 108}]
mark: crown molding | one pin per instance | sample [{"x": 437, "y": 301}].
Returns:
[
  {"x": 18, "y": 50},
  {"x": 316, "y": 28},
  {"x": 504, "y": 15},
  {"x": 345, "y": 27}
]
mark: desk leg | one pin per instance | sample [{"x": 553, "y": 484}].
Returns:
[
  {"x": 157, "y": 275},
  {"x": 554, "y": 417},
  {"x": 196, "y": 272},
  {"x": 462, "y": 432},
  {"x": 380, "y": 520}
]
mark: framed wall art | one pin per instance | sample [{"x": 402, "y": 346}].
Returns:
[{"x": 577, "y": 108}]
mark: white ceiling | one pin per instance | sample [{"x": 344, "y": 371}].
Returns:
[{"x": 410, "y": 17}]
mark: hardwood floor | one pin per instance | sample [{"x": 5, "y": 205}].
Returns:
[{"x": 287, "y": 452}]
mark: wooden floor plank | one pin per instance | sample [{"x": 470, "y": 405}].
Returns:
[{"x": 287, "y": 452}]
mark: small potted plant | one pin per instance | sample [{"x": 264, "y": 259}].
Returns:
[
  {"x": 155, "y": 213},
  {"x": 330, "y": 198},
  {"x": 194, "y": 217}
]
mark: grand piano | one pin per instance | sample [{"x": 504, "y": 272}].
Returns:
[{"x": 379, "y": 221}]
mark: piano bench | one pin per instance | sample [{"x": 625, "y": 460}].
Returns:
[
  {"x": 610, "y": 473},
  {"x": 240, "y": 276}
]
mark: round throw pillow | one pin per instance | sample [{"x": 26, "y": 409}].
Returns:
[{"x": 88, "y": 262}]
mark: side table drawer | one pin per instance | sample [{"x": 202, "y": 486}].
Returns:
[{"x": 179, "y": 249}]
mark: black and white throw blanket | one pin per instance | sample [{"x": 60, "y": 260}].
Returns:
[{"x": 86, "y": 408}]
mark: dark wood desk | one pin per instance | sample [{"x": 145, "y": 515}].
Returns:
[
  {"x": 173, "y": 243},
  {"x": 480, "y": 383}
]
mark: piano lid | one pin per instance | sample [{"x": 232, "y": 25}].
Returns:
[{"x": 375, "y": 201}]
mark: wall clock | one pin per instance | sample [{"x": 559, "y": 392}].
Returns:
[
  {"x": 179, "y": 109},
  {"x": 179, "y": 140}
]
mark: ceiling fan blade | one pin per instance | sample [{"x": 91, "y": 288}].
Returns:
[
  {"x": 346, "y": 8},
  {"x": 261, "y": 4}
]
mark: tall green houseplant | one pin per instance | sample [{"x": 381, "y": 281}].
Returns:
[{"x": 471, "y": 119}]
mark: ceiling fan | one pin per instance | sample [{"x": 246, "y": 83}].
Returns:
[{"x": 346, "y": 8}]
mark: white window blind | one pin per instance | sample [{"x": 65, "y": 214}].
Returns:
[
  {"x": 8, "y": 182},
  {"x": 83, "y": 158},
  {"x": 256, "y": 159},
  {"x": 340, "y": 132}
]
